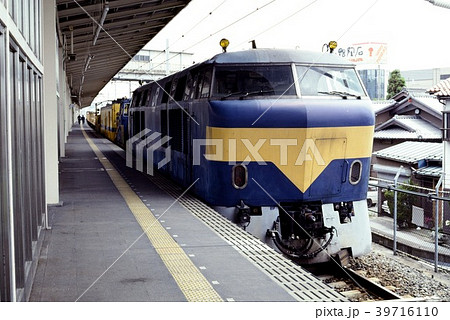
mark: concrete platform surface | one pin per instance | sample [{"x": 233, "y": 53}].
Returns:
[{"x": 96, "y": 249}]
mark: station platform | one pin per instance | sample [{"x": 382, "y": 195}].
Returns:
[
  {"x": 120, "y": 235},
  {"x": 418, "y": 242}
]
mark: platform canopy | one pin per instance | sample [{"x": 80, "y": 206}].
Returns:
[{"x": 100, "y": 37}]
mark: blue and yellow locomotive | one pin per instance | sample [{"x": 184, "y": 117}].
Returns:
[{"x": 279, "y": 141}]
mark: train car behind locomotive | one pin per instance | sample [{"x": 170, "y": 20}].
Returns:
[{"x": 279, "y": 141}]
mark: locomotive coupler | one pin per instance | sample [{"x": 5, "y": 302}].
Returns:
[{"x": 243, "y": 214}]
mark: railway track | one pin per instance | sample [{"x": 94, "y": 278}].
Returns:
[{"x": 355, "y": 285}]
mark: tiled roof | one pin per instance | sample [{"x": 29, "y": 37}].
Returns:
[
  {"x": 442, "y": 89},
  {"x": 432, "y": 103},
  {"x": 429, "y": 171},
  {"x": 407, "y": 127},
  {"x": 428, "y": 103},
  {"x": 412, "y": 152}
]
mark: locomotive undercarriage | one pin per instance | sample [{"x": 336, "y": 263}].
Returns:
[
  {"x": 310, "y": 232},
  {"x": 299, "y": 230}
]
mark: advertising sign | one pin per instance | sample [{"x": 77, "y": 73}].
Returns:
[{"x": 365, "y": 53}]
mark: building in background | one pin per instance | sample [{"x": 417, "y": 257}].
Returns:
[
  {"x": 425, "y": 78},
  {"x": 408, "y": 133}
]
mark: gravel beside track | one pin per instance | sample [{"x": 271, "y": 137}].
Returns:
[{"x": 408, "y": 277}]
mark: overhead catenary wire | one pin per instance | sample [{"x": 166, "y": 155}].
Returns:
[
  {"x": 216, "y": 32},
  {"x": 192, "y": 28},
  {"x": 302, "y": 76},
  {"x": 195, "y": 44},
  {"x": 229, "y": 25},
  {"x": 279, "y": 22}
]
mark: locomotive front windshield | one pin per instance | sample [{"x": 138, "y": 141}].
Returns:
[
  {"x": 328, "y": 80},
  {"x": 253, "y": 80},
  {"x": 241, "y": 81}
]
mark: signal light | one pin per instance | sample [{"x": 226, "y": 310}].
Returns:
[
  {"x": 332, "y": 45},
  {"x": 224, "y": 44}
]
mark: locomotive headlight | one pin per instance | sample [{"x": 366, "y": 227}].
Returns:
[{"x": 224, "y": 44}]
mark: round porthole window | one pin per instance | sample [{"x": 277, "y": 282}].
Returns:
[
  {"x": 239, "y": 176},
  {"x": 355, "y": 172}
]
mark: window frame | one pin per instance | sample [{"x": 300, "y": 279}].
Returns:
[
  {"x": 289, "y": 67},
  {"x": 350, "y": 171},
  {"x": 299, "y": 78}
]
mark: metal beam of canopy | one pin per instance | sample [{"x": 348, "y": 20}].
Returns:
[{"x": 93, "y": 31}]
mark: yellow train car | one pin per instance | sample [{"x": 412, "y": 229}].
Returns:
[
  {"x": 105, "y": 120},
  {"x": 108, "y": 120},
  {"x": 91, "y": 118}
]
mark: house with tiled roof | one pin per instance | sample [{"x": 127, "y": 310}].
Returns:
[
  {"x": 413, "y": 131},
  {"x": 411, "y": 116},
  {"x": 407, "y": 128},
  {"x": 421, "y": 161},
  {"x": 408, "y": 134},
  {"x": 422, "y": 164}
]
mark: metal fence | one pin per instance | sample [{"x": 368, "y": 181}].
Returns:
[{"x": 416, "y": 212}]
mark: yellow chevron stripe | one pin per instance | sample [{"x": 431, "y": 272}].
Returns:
[{"x": 300, "y": 153}]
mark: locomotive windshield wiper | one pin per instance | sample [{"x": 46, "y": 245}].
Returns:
[
  {"x": 243, "y": 94},
  {"x": 255, "y": 93},
  {"x": 232, "y": 94},
  {"x": 344, "y": 95}
]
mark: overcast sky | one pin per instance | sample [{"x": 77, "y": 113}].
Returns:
[{"x": 416, "y": 32}]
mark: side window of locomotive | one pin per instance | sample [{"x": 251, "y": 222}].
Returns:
[
  {"x": 256, "y": 80},
  {"x": 136, "y": 116},
  {"x": 166, "y": 92},
  {"x": 198, "y": 85},
  {"x": 144, "y": 98},
  {"x": 320, "y": 81},
  {"x": 206, "y": 83},
  {"x": 188, "y": 89},
  {"x": 179, "y": 90},
  {"x": 155, "y": 96},
  {"x": 136, "y": 99}
]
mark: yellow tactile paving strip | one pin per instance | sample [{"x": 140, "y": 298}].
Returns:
[{"x": 191, "y": 282}]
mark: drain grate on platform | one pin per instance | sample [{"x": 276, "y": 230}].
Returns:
[{"x": 299, "y": 283}]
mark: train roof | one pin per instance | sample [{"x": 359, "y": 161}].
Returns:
[
  {"x": 279, "y": 56},
  {"x": 267, "y": 56}
]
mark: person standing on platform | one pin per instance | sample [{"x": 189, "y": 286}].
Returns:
[{"x": 79, "y": 119}]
